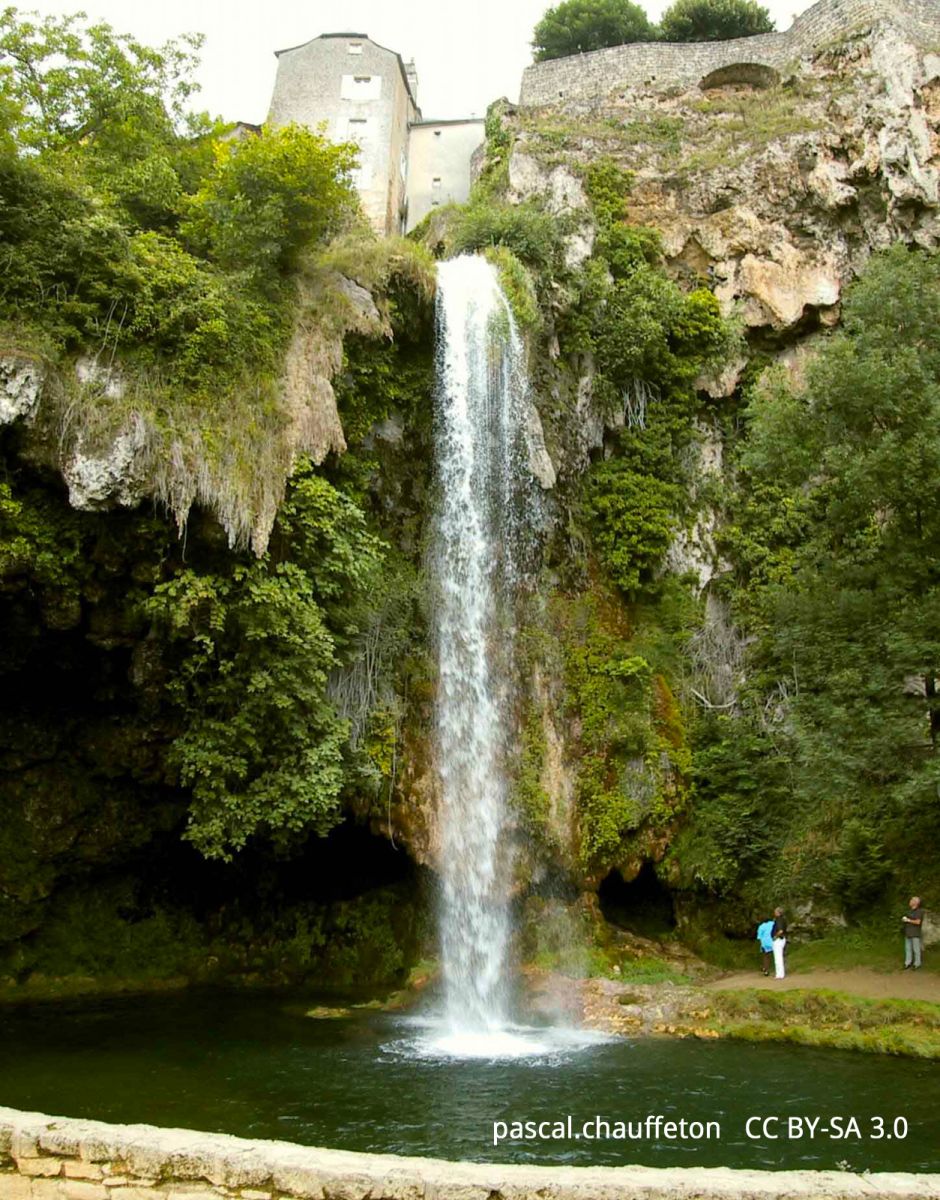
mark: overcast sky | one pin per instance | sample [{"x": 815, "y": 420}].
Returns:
[{"x": 467, "y": 53}]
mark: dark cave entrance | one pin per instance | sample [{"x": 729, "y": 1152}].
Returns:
[
  {"x": 346, "y": 863},
  {"x": 643, "y": 906}
]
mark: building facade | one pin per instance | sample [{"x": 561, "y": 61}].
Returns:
[
  {"x": 439, "y": 154},
  {"x": 358, "y": 91}
]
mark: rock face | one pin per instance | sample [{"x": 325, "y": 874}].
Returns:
[
  {"x": 774, "y": 196},
  {"x": 115, "y": 476},
  {"x": 21, "y": 381},
  {"x": 115, "y": 454},
  {"x": 770, "y": 178}
]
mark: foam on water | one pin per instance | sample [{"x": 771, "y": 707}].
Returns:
[{"x": 436, "y": 1041}]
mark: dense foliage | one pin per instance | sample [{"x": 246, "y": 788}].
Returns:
[
  {"x": 834, "y": 535},
  {"x": 157, "y": 244},
  {"x": 129, "y": 225},
  {"x": 576, "y": 26},
  {"x": 714, "y": 20},
  {"x": 649, "y": 340},
  {"x": 250, "y": 652}
]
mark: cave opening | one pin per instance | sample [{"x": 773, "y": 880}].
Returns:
[
  {"x": 643, "y": 905},
  {"x": 348, "y": 862}
]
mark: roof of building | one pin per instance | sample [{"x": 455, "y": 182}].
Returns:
[
  {"x": 362, "y": 37},
  {"x": 449, "y": 121}
]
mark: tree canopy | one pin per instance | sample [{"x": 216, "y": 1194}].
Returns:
[
  {"x": 125, "y": 212},
  {"x": 837, "y": 537},
  {"x": 714, "y": 20},
  {"x": 575, "y": 26}
]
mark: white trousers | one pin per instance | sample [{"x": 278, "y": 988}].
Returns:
[{"x": 779, "y": 946}]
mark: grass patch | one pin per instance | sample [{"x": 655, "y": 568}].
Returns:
[
  {"x": 650, "y": 970},
  {"x": 738, "y": 123},
  {"x": 827, "y": 1018},
  {"x": 844, "y": 949},
  {"x": 660, "y": 133}
]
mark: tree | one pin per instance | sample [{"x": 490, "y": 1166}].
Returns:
[
  {"x": 69, "y": 83},
  {"x": 248, "y": 654},
  {"x": 714, "y": 20},
  {"x": 103, "y": 103},
  {"x": 268, "y": 197},
  {"x": 575, "y": 26},
  {"x": 846, "y": 472}
]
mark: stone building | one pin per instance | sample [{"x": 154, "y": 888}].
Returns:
[
  {"x": 439, "y": 154},
  {"x": 359, "y": 91}
]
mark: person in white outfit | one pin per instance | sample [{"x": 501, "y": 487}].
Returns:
[{"x": 779, "y": 935}]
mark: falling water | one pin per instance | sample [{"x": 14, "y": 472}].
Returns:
[{"x": 483, "y": 479}]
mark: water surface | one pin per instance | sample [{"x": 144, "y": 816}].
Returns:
[{"x": 250, "y": 1065}]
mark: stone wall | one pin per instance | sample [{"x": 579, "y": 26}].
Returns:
[
  {"x": 55, "y": 1158},
  {"x": 661, "y": 66}
]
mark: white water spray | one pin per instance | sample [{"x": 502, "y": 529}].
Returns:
[{"x": 483, "y": 481}]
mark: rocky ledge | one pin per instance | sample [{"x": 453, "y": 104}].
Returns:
[{"x": 54, "y": 1158}]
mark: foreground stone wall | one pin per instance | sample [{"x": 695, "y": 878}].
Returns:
[
  {"x": 55, "y": 1158},
  {"x": 661, "y": 66}
]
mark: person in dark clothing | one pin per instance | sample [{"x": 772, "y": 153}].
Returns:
[
  {"x": 779, "y": 936},
  {"x": 913, "y": 922}
]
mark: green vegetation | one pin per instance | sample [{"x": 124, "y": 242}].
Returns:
[
  {"x": 250, "y": 652},
  {"x": 531, "y": 234},
  {"x": 518, "y": 286},
  {"x": 825, "y": 1018},
  {"x": 109, "y": 941},
  {"x": 714, "y": 20},
  {"x": 632, "y": 757},
  {"x": 810, "y": 788},
  {"x": 130, "y": 225},
  {"x": 529, "y": 795},
  {"x": 220, "y": 295},
  {"x": 650, "y": 340},
  {"x": 576, "y": 26},
  {"x": 194, "y": 292},
  {"x": 163, "y": 253},
  {"x": 874, "y": 945},
  {"x": 735, "y": 125},
  {"x": 855, "y": 619}
]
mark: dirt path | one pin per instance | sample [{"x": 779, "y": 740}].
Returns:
[{"x": 877, "y": 985}]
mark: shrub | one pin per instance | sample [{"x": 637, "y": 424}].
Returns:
[
  {"x": 575, "y": 26},
  {"x": 532, "y": 235},
  {"x": 714, "y": 20}
]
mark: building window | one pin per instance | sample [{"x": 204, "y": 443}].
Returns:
[
  {"x": 354, "y": 48},
  {"x": 361, "y": 87},
  {"x": 356, "y": 129},
  {"x": 436, "y": 181}
]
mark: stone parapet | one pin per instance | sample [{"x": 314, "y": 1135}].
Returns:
[
  {"x": 57, "y": 1158},
  {"x": 660, "y": 66}
]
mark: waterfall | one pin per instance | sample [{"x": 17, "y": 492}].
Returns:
[{"x": 483, "y": 483}]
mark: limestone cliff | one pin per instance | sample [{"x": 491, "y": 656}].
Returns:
[{"x": 774, "y": 186}]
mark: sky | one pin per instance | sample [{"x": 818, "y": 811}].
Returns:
[{"x": 467, "y": 53}]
